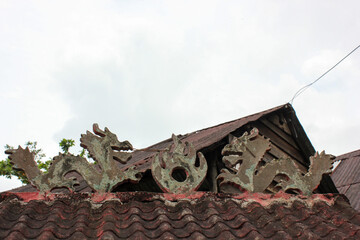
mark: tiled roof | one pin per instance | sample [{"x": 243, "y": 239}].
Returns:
[
  {"x": 346, "y": 177},
  {"x": 167, "y": 216}
]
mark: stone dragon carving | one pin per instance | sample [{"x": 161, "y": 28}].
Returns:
[
  {"x": 182, "y": 160},
  {"x": 249, "y": 149},
  {"x": 104, "y": 148}
]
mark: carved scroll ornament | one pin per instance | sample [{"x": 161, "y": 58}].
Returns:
[
  {"x": 104, "y": 148},
  {"x": 182, "y": 162},
  {"x": 249, "y": 149}
]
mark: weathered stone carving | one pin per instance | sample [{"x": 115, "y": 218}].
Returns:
[
  {"x": 249, "y": 149},
  {"x": 181, "y": 161},
  {"x": 104, "y": 148}
]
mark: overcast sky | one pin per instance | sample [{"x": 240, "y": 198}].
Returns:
[{"x": 147, "y": 69}]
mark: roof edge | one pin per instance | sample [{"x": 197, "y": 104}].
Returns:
[
  {"x": 348, "y": 155},
  {"x": 260, "y": 114},
  {"x": 263, "y": 199}
]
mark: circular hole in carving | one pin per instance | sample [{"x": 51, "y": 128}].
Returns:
[{"x": 179, "y": 174}]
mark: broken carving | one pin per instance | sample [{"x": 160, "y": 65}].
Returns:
[
  {"x": 104, "y": 148},
  {"x": 243, "y": 155},
  {"x": 179, "y": 171}
]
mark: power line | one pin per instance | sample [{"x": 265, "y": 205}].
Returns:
[{"x": 301, "y": 90}]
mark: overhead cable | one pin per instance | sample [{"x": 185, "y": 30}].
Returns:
[{"x": 301, "y": 90}]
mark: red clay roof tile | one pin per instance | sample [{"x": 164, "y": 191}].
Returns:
[{"x": 164, "y": 216}]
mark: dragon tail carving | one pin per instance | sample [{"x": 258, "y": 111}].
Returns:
[{"x": 248, "y": 150}]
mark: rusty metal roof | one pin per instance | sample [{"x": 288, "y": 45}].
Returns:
[
  {"x": 346, "y": 177},
  {"x": 140, "y": 215},
  {"x": 200, "y": 139}
]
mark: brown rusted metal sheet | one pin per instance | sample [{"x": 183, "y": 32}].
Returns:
[
  {"x": 346, "y": 177},
  {"x": 182, "y": 161},
  {"x": 347, "y": 172},
  {"x": 200, "y": 139},
  {"x": 248, "y": 150},
  {"x": 353, "y": 194},
  {"x": 104, "y": 148}
]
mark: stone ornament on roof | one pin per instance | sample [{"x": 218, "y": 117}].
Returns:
[
  {"x": 249, "y": 149},
  {"x": 177, "y": 169},
  {"x": 104, "y": 148}
]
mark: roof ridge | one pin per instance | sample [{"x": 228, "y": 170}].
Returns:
[
  {"x": 247, "y": 116},
  {"x": 224, "y": 123}
]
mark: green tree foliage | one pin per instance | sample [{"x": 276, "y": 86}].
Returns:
[
  {"x": 6, "y": 166},
  {"x": 65, "y": 144}
]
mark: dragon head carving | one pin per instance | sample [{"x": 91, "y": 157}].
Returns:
[
  {"x": 104, "y": 148},
  {"x": 247, "y": 146},
  {"x": 105, "y": 140}
]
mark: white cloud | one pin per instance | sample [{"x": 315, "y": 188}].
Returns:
[{"x": 6, "y": 183}]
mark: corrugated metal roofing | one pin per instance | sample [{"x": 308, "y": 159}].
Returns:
[
  {"x": 346, "y": 177},
  {"x": 200, "y": 139},
  {"x": 353, "y": 194},
  {"x": 347, "y": 172}
]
